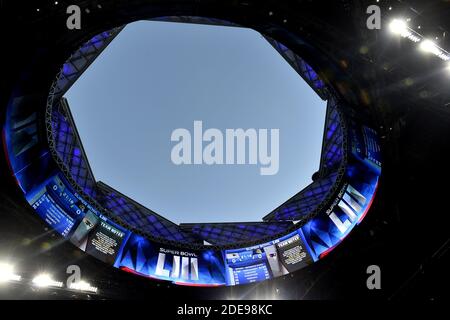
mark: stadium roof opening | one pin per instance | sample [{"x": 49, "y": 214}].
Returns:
[{"x": 158, "y": 77}]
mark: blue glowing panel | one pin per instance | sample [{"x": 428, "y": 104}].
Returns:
[
  {"x": 57, "y": 205},
  {"x": 196, "y": 20},
  {"x": 325, "y": 231},
  {"x": 266, "y": 261},
  {"x": 305, "y": 202},
  {"x": 69, "y": 148},
  {"x": 365, "y": 147},
  {"x": 332, "y": 149},
  {"x": 81, "y": 60},
  {"x": 187, "y": 267},
  {"x": 139, "y": 217},
  {"x": 99, "y": 237},
  {"x": 302, "y": 68},
  {"x": 226, "y": 233}
]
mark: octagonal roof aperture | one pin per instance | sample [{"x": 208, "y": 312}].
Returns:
[{"x": 158, "y": 77}]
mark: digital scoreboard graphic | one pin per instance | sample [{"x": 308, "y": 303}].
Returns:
[
  {"x": 267, "y": 261},
  {"x": 99, "y": 237},
  {"x": 144, "y": 257}
]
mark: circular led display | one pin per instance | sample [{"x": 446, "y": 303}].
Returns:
[{"x": 50, "y": 166}]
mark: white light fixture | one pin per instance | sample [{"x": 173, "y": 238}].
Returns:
[
  {"x": 400, "y": 27},
  {"x": 83, "y": 286},
  {"x": 45, "y": 280},
  {"x": 429, "y": 46},
  {"x": 7, "y": 273}
]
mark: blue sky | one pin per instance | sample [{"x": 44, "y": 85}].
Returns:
[{"x": 156, "y": 77}]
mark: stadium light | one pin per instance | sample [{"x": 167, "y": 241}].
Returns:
[
  {"x": 429, "y": 46},
  {"x": 7, "y": 273},
  {"x": 45, "y": 280},
  {"x": 400, "y": 27},
  {"x": 83, "y": 286}
]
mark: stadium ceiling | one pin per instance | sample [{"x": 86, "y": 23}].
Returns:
[{"x": 385, "y": 78}]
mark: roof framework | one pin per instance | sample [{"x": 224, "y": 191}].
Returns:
[{"x": 69, "y": 151}]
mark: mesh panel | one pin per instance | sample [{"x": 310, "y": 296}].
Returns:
[
  {"x": 332, "y": 149},
  {"x": 82, "y": 59},
  {"x": 69, "y": 149},
  {"x": 66, "y": 139},
  {"x": 140, "y": 217},
  {"x": 302, "y": 68},
  {"x": 226, "y": 233},
  {"x": 305, "y": 202},
  {"x": 196, "y": 20}
]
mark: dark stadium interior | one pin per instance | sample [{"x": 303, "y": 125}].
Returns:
[{"x": 405, "y": 232}]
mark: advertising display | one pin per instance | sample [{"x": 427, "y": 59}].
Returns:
[
  {"x": 29, "y": 157},
  {"x": 365, "y": 147},
  {"x": 293, "y": 254},
  {"x": 329, "y": 228},
  {"x": 57, "y": 205},
  {"x": 266, "y": 261},
  {"x": 144, "y": 257},
  {"x": 247, "y": 266},
  {"x": 99, "y": 238}
]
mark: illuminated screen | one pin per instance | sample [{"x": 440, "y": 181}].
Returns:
[
  {"x": 99, "y": 238},
  {"x": 266, "y": 261},
  {"x": 189, "y": 267}
]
